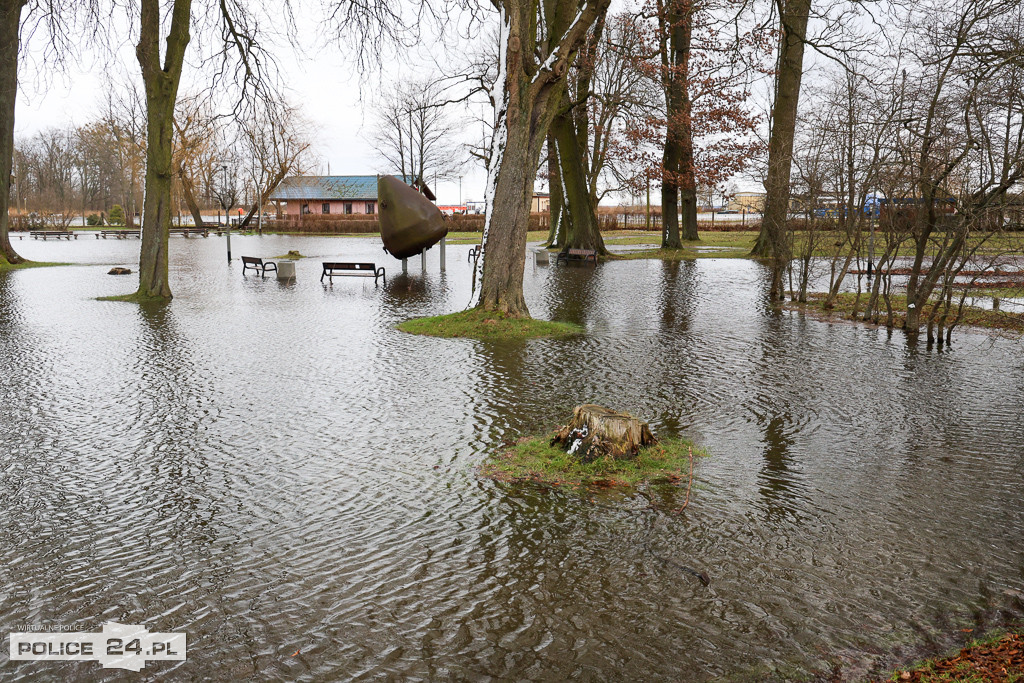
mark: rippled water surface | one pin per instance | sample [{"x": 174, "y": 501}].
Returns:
[{"x": 276, "y": 471}]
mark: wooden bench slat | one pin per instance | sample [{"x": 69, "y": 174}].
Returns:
[
  {"x": 577, "y": 254},
  {"x": 339, "y": 268}
]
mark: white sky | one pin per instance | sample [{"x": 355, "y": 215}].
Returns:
[{"x": 324, "y": 80}]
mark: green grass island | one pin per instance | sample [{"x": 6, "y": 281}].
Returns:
[{"x": 489, "y": 326}]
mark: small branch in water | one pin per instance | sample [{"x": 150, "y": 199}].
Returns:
[{"x": 688, "y": 485}]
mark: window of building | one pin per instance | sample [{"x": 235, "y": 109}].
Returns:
[
  {"x": 348, "y": 207},
  {"x": 370, "y": 208},
  {"x": 305, "y": 208},
  {"x": 325, "y": 208}
]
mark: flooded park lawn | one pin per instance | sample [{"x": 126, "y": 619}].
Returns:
[{"x": 275, "y": 470}]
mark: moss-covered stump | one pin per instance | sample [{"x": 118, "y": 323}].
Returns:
[
  {"x": 596, "y": 432},
  {"x": 488, "y": 325},
  {"x": 535, "y": 459}
]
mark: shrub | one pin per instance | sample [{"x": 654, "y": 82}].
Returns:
[
  {"x": 93, "y": 219},
  {"x": 116, "y": 215}
]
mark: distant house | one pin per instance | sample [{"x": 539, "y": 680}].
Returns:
[
  {"x": 541, "y": 202},
  {"x": 331, "y": 194},
  {"x": 747, "y": 201}
]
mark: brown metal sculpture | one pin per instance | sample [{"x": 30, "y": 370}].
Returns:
[{"x": 409, "y": 222}]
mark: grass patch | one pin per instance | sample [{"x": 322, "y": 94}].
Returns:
[
  {"x": 134, "y": 297},
  {"x": 294, "y": 254},
  {"x": 5, "y": 266},
  {"x": 489, "y": 326},
  {"x": 999, "y": 656},
  {"x": 533, "y": 459}
]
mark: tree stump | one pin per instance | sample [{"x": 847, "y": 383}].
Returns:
[{"x": 595, "y": 432}]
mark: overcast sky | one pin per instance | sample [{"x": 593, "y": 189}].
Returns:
[
  {"x": 334, "y": 96},
  {"x": 324, "y": 79}
]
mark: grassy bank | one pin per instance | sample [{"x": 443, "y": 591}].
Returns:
[
  {"x": 488, "y": 326},
  {"x": 996, "y": 657},
  {"x": 533, "y": 459},
  {"x": 5, "y": 266}
]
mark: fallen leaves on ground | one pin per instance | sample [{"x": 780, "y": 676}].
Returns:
[{"x": 995, "y": 662}]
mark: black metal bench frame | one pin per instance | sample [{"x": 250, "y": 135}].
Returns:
[
  {"x": 257, "y": 264},
  {"x": 332, "y": 268},
  {"x": 577, "y": 255}
]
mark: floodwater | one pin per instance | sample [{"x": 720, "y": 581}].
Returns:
[{"x": 274, "y": 470}]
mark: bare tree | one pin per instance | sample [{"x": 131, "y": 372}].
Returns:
[
  {"x": 278, "y": 142},
  {"x": 413, "y": 132}
]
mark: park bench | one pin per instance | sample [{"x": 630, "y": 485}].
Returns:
[
  {"x": 44, "y": 234},
  {"x": 185, "y": 232},
  {"x": 577, "y": 255},
  {"x": 357, "y": 269},
  {"x": 119, "y": 234},
  {"x": 257, "y": 264}
]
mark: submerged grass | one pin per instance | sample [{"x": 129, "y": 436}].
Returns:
[
  {"x": 972, "y": 317},
  {"x": 134, "y": 297},
  {"x": 5, "y": 266},
  {"x": 488, "y": 325},
  {"x": 534, "y": 459}
]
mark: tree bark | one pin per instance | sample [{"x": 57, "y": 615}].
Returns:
[
  {"x": 682, "y": 35},
  {"x": 772, "y": 241},
  {"x": 10, "y": 23},
  {"x": 582, "y": 230},
  {"x": 161, "y": 84},
  {"x": 595, "y": 432},
  {"x": 530, "y": 95}
]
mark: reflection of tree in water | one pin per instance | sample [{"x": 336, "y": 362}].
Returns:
[
  {"x": 175, "y": 413},
  {"x": 778, "y": 389},
  {"x": 779, "y": 483},
  {"x": 675, "y": 388},
  {"x": 676, "y": 295},
  {"x": 511, "y": 389},
  {"x": 570, "y": 292}
]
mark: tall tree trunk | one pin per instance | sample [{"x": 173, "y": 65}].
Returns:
[
  {"x": 772, "y": 240},
  {"x": 10, "y": 23},
  {"x": 582, "y": 230},
  {"x": 682, "y": 35},
  {"x": 530, "y": 95},
  {"x": 670, "y": 199},
  {"x": 161, "y": 95},
  {"x": 674, "y": 33}
]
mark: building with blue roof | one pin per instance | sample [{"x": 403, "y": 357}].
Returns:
[{"x": 332, "y": 194}]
